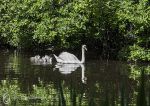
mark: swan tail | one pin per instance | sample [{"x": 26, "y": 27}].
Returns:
[{"x": 57, "y": 58}]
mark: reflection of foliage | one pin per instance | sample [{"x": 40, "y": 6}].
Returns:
[
  {"x": 51, "y": 95},
  {"x": 46, "y": 94},
  {"x": 136, "y": 71},
  {"x": 42, "y": 95},
  {"x": 12, "y": 92},
  {"x": 13, "y": 62},
  {"x": 100, "y": 88},
  {"x": 139, "y": 75}
]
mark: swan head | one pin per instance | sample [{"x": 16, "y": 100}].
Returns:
[{"x": 84, "y": 47}]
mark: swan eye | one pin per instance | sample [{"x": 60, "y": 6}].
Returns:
[{"x": 85, "y": 47}]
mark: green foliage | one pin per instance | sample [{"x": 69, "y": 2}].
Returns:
[
  {"x": 134, "y": 22},
  {"x": 136, "y": 71},
  {"x": 114, "y": 25},
  {"x": 133, "y": 17},
  {"x": 139, "y": 53},
  {"x": 41, "y": 21},
  {"x": 10, "y": 93},
  {"x": 72, "y": 21}
]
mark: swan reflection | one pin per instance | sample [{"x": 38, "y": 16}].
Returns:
[{"x": 69, "y": 68}]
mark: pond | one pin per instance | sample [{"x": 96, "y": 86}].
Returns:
[{"x": 95, "y": 83}]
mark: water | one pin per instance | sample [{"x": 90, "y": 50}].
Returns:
[{"x": 95, "y": 83}]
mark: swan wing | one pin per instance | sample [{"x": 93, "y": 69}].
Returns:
[{"x": 68, "y": 57}]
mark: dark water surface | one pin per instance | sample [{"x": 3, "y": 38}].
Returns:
[{"x": 95, "y": 83}]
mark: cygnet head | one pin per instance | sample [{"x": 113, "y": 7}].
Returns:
[
  {"x": 37, "y": 57},
  {"x": 46, "y": 57}
]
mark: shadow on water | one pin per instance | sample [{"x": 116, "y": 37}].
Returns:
[
  {"x": 66, "y": 69},
  {"x": 95, "y": 83},
  {"x": 141, "y": 98},
  {"x": 62, "y": 101}
]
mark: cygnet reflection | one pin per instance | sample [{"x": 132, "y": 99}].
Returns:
[{"x": 69, "y": 68}]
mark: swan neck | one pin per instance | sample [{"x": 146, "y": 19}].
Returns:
[{"x": 83, "y": 56}]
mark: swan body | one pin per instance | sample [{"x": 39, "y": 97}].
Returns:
[{"x": 66, "y": 57}]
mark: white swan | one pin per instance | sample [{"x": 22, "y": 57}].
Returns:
[{"x": 66, "y": 57}]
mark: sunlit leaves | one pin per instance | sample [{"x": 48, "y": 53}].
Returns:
[
  {"x": 133, "y": 21},
  {"x": 136, "y": 71},
  {"x": 139, "y": 53},
  {"x": 137, "y": 14},
  {"x": 68, "y": 22}
]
